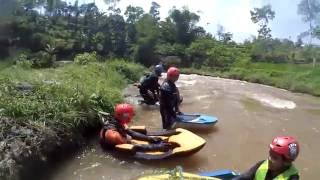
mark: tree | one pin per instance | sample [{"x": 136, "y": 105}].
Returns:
[
  {"x": 154, "y": 11},
  {"x": 111, "y": 3},
  {"x": 223, "y": 36},
  {"x": 310, "y": 9},
  {"x": 185, "y": 25},
  {"x": 7, "y": 7},
  {"x": 299, "y": 43},
  {"x": 262, "y": 16},
  {"x": 168, "y": 31},
  {"x": 197, "y": 51},
  {"x": 117, "y": 34},
  {"x": 133, "y": 14},
  {"x": 147, "y": 35}
]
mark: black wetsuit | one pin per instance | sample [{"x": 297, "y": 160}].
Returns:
[
  {"x": 169, "y": 101},
  {"x": 250, "y": 174},
  {"x": 150, "y": 83}
]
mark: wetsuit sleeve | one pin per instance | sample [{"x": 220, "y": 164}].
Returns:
[
  {"x": 158, "y": 88},
  {"x": 137, "y": 135},
  {"x": 155, "y": 85},
  {"x": 177, "y": 100},
  {"x": 250, "y": 174}
]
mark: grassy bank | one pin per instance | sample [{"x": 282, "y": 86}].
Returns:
[
  {"x": 42, "y": 110},
  {"x": 296, "y": 78}
]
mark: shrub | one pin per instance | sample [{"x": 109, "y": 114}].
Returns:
[{"x": 86, "y": 58}]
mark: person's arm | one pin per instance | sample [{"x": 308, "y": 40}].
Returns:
[
  {"x": 250, "y": 174},
  {"x": 178, "y": 102},
  {"x": 140, "y": 136},
  {"x": 158, "y": 89},
  {"x": 155, "y": 85}
]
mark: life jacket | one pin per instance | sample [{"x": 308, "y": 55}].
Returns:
[
  {"x": 263, "y": 170},
  {"x": 112, "y": 133}
]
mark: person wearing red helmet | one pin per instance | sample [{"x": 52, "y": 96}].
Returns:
[
  {"x": 282, "y": 152},
  {"x": 169, "y": 98},
  {"x": 115, "y": 131}
]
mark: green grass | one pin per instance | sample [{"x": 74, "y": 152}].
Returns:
[
  {"x": 296, "y": 78},
  {"x": 61, "y": 107},
  {"x": 67, "y": 96},
  {"x": 4, "y": 64}
]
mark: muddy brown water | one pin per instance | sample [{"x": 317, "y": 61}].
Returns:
[{"x": 250, "y": 115}]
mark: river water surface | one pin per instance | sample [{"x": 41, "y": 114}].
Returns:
[{"x": 250, "y": 115}]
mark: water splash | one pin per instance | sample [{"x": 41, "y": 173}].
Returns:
[{"x": 274, "y": 102}]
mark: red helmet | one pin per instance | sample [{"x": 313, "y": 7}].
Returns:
[
  {"x": 124, "y": 113},
  {"x": 173, "y": 72},
  {"x": 286, "y": 146}
]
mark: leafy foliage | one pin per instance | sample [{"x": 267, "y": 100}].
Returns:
[
  {"x": 86, "y": 58},
  {"x": 262, "y": 16},
  {"x": 68, "y": 96}
]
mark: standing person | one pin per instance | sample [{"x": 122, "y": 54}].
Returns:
[
  {"x": 169, "y": 98},
  {"x": 149, "y": 87},
  {"x": 279, "y": 166}
]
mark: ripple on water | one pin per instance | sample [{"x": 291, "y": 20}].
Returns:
[
  {"x": 202, "y": 97},
  {"x": 272, "y": 101},
  {"x": 188, "y": 82}
]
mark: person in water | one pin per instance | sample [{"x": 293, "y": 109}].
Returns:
[
  {"x": 115, "y": 131},
  {"x": 282, "y": 152},
  {"x": 169, "y": 98},
  {"x": 149, "y": 87}
]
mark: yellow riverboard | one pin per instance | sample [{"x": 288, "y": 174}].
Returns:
[{"x": 189, "y": 143}]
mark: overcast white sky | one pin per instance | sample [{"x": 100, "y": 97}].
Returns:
[{"x": 234, "y": 15}]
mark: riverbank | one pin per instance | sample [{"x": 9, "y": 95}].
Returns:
[
  {"x": 49, "y": 112},
  {"x": 296, "y": 78}
]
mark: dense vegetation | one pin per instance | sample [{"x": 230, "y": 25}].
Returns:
[
  {"x": 47, "y": 31},
  {"x": 44, "y": 110}
]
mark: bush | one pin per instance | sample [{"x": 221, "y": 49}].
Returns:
[
  {"x": 43, "y": 59},
  {"x": 172, "y": 61},
  {"x": 86, "y": 58},
  {"x": 132, "y": 72},
  {"x": 23, "y": 61}
]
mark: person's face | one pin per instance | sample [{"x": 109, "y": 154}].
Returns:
[
  {"x": 276, "y": 161},
  {"x": 174, "y": 79}
]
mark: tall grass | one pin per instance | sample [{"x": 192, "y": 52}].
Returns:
[{"x": 68, "y": 96}]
